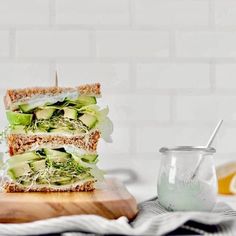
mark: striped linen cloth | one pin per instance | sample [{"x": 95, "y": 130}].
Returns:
[{"x": 152, "y": 219}]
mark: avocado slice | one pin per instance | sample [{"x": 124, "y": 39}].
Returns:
[
  {"x": 16, "y": 118},
  {"x": 23, "y": 158},
  {"x": 86, "y": 100},
  {"x": 45, "y": 113},
  {"x": 89, "y": 120},
  {"x": 56, "y": 156},
  {"x": 38, "y": 165},
  {"x": 19, "y": 170},
  {"x": 70, "y": 113},
  {"x": 91, "y": 158},
  {"x": 27, "y": 107}
]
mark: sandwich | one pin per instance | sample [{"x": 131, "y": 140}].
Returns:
[{"x": 52, "y": 138}]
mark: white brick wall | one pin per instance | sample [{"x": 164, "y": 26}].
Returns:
[
  {"x": 206, "y": 44},
  {"x": 225, "y": 13},
  {"x": 205, "y": 108},
  {"x": 171, "y": 13},
  {"x": 167, "y": 67},
  {"x": 113, "y": 76},
  {"x": 139, "y": 107},
  {"x": 92, "y": 12},
  {"x": 171, "y": 135},
  {"x": 132, "y": 44},
  {"x": 24, "y": 12},
  {"x": 225, "y": 75},
  {"x": 173, "y": 76},
  {"x": 5, "y": 43},
  {"x": 18, "y": 75},
  {"x": 52, "y": 44}
]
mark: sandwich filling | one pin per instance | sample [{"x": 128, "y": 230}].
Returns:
[
  {"x": 68, "y": 116},
  {"x": 53, "y": 168},
  {"x": 52, "y": 138}
]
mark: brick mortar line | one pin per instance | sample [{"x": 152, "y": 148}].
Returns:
[
  {"x": 52, "y": 13},
  {"x": 212, "y": 14},
  {"x": 126, "y": 155},
  {"x": 120, "y": 60},
  {"x": 93, "y": 44},
  {"x": 12, "y": 43},
  {"x": 169, "y": 92},
  {"x": 131, "y": 14},
  {"x": 172, "y": 45},
  {"x": 178, "y": 124},
  {"x": 172, "y": 108},
  {"x": 227, "y": 155},
  {"x": 133, "y": 76},
  {"x": 53, "y": 26},
  {"x": 132, "y": 139},
  {"x": 182, "y": 93},
  {"x": 212, "y": 76},
  {"x": 59, "y": 27},
  {"x": 220, "y": 29}
]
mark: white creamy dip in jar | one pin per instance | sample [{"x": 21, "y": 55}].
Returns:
[{"x": 178, "y": 190}]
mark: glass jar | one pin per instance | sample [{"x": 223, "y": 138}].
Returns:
[{"x": 187, "y": 179}]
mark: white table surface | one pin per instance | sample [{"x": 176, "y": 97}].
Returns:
[{"x": 230, "y": 199}]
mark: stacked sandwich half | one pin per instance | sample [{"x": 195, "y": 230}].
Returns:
[{"x": 52, "y": 138}]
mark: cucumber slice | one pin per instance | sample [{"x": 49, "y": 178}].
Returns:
[
  {"x": 38, "y": 165},
  {"x": 60, "y": 180},
  {"x": 66, "y": 131},
  {"x": 86, "y": 100},
  {"x": 23, "y": 158},
  {"x": 16, "y": 118},
  {"x": 70, "y": 113},
  {"x": 88, "y": 120},
  {"x": 56, "y": 156},
  {"x": 19, "y": 170},
  {"x": 45, "y": 113},
  {"x": 60, "y": 130}
]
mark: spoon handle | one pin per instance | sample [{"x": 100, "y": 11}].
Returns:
[
  {"x": 211, "y": 139},
  {"x": 197, "y": 168}
]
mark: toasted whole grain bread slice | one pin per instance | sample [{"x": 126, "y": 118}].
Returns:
[
  {"x": 11, "y": 187},
  {"x": 20, "y": 143},
  {"x": 14, "y": 96}
]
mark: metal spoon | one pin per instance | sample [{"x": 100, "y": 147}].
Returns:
[{"x": 210, "y": 141}]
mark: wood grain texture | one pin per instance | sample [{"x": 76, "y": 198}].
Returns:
[{"x": 111, "y": 200}]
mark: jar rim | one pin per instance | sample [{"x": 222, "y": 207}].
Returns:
[{"x": 188, "y": 149}]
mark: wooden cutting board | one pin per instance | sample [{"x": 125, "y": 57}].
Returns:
[{"x": 110, "y": 200}]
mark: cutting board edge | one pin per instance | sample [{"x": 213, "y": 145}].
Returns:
[{"x": 122, "y": 203}]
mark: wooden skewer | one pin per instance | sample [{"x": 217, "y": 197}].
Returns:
[{"x": 56, "y": 80}]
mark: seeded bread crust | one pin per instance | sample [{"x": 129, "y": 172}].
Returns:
[
  {"x": 16, "y": 95},
  {"x": 20, "y": 143},
  {"x": 11, "y": 187}
]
